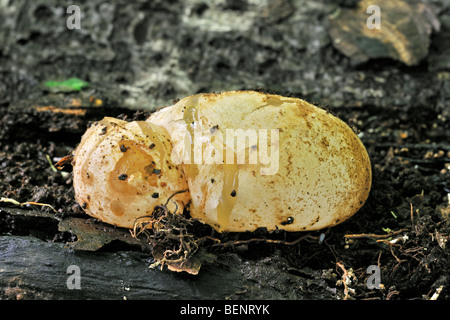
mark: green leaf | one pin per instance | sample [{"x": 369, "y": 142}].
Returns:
[{"x": 71, "y": 84}]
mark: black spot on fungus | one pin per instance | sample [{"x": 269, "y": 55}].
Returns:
[
  {"x": 152, "y": 146},
  {"x": 155, "y": 195},
  {"x": 289, "y": 220},
  {"x": 214, "y": 129},
  {"x": 233, "y": 193},
  {"x": 123, "y": 177},
  {"x": 123, "y": 148}
]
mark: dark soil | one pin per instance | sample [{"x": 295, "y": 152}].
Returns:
[
  {"x": 405, "y": 131},
  {"x": 408, "y": 172}
]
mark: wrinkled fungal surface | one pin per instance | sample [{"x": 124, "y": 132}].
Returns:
[{"x": 122, "y": 170}]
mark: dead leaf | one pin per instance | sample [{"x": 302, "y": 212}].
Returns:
[
  {"x": 193, "y": 264},
  {"x": 92, "y": 236}
]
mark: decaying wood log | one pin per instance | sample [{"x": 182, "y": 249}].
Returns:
[{"x": 34, "y": 269}]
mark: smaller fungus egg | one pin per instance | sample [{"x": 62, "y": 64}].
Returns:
[{"x": 119, "y": 177}]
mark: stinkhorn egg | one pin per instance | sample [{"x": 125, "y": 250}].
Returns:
[{"x": 246, "y": 160}]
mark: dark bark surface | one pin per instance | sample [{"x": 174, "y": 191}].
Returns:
[{"x": 32, "y": 268}]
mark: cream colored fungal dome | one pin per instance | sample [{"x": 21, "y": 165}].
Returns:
[{"x": 248, "y": 160}]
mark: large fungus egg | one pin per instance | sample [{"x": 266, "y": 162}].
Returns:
[{"x": 248, "y": 159}]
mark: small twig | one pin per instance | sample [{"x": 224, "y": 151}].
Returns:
[
  {"x": 396, "y": 258},
  {"x": 390, "y": 294},
  {"x": 344, "y": 279},
  {"x": 437, "y": 293},
  {"x": 17, "y": 203},
  {"x": 208, "y": 238},
  {"x": 374, "y": 236},
  {"x": 416, "y": 227},
  {"x": 289, "y": 243},
  {"x": 379, "y": 258},
  {"x": 391, "y": 245}
]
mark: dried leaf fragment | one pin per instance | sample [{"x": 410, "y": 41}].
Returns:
[{"x": 92, "y": 236}]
